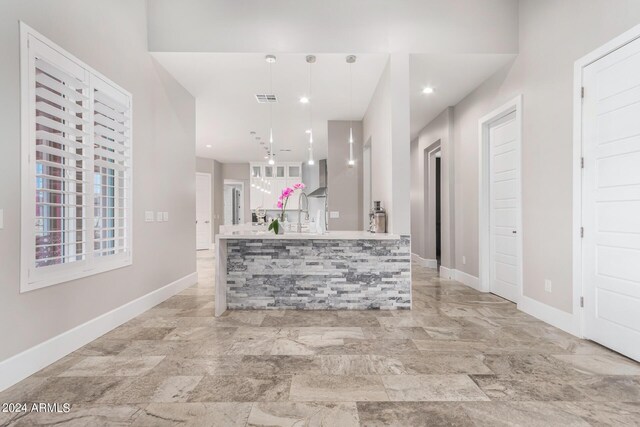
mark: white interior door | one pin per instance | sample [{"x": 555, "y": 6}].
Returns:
[
  {"x": 504, "y": 208},
  {"x": 203, "y": 211},
  {"x": 611, "y": 200}
]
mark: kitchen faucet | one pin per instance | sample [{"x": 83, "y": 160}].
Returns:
[{"x": 300, "y": 210}]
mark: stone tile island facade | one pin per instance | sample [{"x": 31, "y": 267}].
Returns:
[{"x": 350, "y": 270}]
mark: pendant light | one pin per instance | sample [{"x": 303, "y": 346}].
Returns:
[
  {"x": 351, "y": 59},
  {"x": 310, "y": 60},
  {"x": 271, "y": 59}
]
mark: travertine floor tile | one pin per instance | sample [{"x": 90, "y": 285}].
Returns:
[
  {"x": 222, "y": 414},
  {"x": 432, "y": 388},
  {"x": 337, "y": 388},
  {"x": 303, "y": 414},
  {"x": 114, "y": 366},
  {"x": 404, "y": 414},
  {"x": 236, "y": 388}
]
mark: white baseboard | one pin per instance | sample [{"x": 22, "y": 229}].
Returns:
[
  {"x": 447, "y": 273},
  {"x": 460, "y": 276},
  {"x": 30, "y": 361},
  {"x": 568, "y": 322},
  {"x": 428, "y": 263},
  {"x": 467, "y": 279}
]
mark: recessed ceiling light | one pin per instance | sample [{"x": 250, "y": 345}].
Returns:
[
  {"x": 428, "y": 90},
  {"x": 266, "y": 157},
  {"x": 304, "y": 100},
  {"x": 208, "y": 145},
  {"x": 308, "y": 131}
]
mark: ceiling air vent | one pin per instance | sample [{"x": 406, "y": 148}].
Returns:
[
  {"x": 285, "y": 150},
  {"x": 266, "y": 99}
]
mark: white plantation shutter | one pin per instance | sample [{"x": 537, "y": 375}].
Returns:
[
  {"x": 60, "y": 165},
  {"x": 76, "y": 167},
  {"x": 112, "y": 170}
]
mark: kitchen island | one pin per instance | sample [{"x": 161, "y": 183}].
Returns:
[{"x": 333, "y": 271}]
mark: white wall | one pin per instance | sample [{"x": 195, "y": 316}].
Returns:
[
  {"x": 344, "y": 181},
  {"x": 329, "y": 26},
  {"x": 553, "y": 35},
  {"x": 110, "y": 37}
]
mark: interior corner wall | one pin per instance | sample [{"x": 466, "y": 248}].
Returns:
[
  {"x": 386, "y": 125},
  {"x": 345, "y": 182},
  {"x": 438, "y": 131},
  {"x": 163, "y": 167},
  {"x": 553, "y": 35}
]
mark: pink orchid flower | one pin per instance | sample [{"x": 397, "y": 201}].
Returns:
[
  {"x": 287, "y": 192},
  {"x": 279, "y": 205},
  {"x": 298, "y": 186}
]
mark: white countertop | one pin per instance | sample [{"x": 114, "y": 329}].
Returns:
[{"x": 289, "y": 235}]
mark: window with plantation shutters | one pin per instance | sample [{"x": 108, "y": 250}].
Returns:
[
  {"x": 112, "y": 167},
  {"x": 76, "y": 167}
]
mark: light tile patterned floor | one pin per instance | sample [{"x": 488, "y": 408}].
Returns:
[{"x": 459, "y": 358}]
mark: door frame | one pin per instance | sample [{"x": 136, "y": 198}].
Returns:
[
  {"x": 429, "y": 208},
  {"x": 484, "y": 238},
  {"x": 241, "y": 218},
  {"x": 210, "y": 237},
  {"x": 577, "y": 249}
]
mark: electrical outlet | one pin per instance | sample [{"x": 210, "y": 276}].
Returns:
[
  {"x": 334, "y": 214},
  {"x": 464, "y": 260},
  {"x": 165, "y": 216},
  {"x": 547, "y": 285},
  {"x": 148, "y": 216}
]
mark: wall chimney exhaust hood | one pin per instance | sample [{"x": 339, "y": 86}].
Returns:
[{"x": 321, "y": 191}]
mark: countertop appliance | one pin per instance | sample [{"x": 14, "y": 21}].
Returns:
[{"x": 377, "y": 218}]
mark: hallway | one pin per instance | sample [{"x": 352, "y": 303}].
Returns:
[{"x": 458, "y": 358}]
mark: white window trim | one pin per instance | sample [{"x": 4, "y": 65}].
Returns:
[{"x": 27, "y": 186}]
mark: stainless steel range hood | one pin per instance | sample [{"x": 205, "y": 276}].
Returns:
[{"x": 321, "y": 191}]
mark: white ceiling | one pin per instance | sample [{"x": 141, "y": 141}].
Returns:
[
  {"x": 225, "y": 84},
  {"x": 453, "y": 76}
]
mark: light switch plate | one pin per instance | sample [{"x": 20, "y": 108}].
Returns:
[
  {"x": 334, "y": 214},
  {"x": 1, "y": 219},
  {"x": 159, "y": 216},
  {"x": 148, "y": 216},
  {"x": 165, "y": 216}
]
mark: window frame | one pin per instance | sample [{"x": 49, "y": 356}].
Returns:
[{"x": 32, "y": 278}]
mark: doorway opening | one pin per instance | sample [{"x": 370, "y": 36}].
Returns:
[
  {"x": 233, "y": 202},
  {"x": 438, "y": 210},
  {"x": 432, "y": 247}
]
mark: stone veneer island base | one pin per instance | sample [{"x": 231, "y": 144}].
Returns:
[{"x": 339, "y": 270}]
